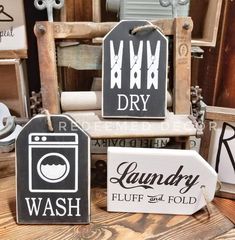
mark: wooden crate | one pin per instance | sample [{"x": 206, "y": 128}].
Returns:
[
  {"x": 219, "y": 144},
  {"x": 14, "y": 90},
  {"x": 177, "y": 123},
  {"x": 205, "y": 15}
]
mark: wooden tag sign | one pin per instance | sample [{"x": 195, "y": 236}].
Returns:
[
  {"x": 158, "y": 181},
  {"x": 53, "y": 172},
  {"x": 134, "y": 72}
]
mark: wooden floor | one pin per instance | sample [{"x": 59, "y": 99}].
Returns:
[{"x": 119, "y": 225}]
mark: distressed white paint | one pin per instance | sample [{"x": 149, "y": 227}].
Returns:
[
  {"x": 116, "y": 65},
  {"x": 186, "y": 197},
  {"x": 135, "y": 65},
  {"x": 153, "y": 65}
]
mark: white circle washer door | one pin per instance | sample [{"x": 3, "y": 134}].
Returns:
[{"x": 53, "y": 173}]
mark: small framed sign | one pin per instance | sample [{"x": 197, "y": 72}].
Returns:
[
  {"x": 158, "y": 181},
  {"x": 53, "y": 172},
  {"x": 222, "y": 147},
  {"x": 12, "y": 28},
  {"x": 134, "y": 71}
]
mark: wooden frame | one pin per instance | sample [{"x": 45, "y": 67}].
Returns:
[
  {"x": 47, "y": 33},
  {"x": 205, "y": 33},
  {"x": 16, "y": 84},
  {"x": 218, "y": 114},
  {"x": 13, "y": 54}
]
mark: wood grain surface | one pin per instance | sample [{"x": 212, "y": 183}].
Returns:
[
  {"x": 112, "y": 225},
  {"x": 97, "y": 127},
  {"x": 227, "y": 236},
  {"x": 88, "y": 30},
  {"x": 226, "y": 206},
  {"x": 220, "y": 114},
  {"x": 182, "y": 65},
  {"x": 48, "y": 73},
  {"x": 7, "y": 164}
]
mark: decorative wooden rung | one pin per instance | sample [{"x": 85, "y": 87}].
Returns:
[
  {"x": 87, "y": 30},
  {"x": 220, "y": 114},
  {"x": 81, "y": 57}
]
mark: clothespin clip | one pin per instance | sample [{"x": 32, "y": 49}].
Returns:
[
  {"x": 153, "y": 65},
  {"x": 136, "y": 63},
  {"x": 116, "y": 65}
]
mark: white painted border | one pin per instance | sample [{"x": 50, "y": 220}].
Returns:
[{"x": 52, "y": 190}]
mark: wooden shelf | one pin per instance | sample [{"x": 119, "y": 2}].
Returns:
[
  {"x": 97, "y": 127},
  {"x": 14, "y": 86}
]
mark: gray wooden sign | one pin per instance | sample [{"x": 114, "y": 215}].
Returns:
[
  {"x": 53, "y": 171},
  {"x": 134, "y": 72}
]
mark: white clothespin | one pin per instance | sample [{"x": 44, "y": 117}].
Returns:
[
  {"x": 135, "y": 65},
  {"x": 153, "y": 65},
  {"x": 116, "y": 65}
]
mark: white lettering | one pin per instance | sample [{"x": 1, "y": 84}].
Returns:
[
  {"x": 124, "y": 97},
  {"x": 134, "y": 100},
  {"x": 145, "y": 101},
  {"x": 48, "y": 206},
  {"x": 77, "y": 206},
  {"x": 35, "y": 207},
  {"x": 60, "y": 206}
]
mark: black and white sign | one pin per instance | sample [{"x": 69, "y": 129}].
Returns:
[
  {"x": 12, "y": 25},
  {"x": 53, "y": 171},
  {"x": 134, "y": 72},
  {"x": 158, "y": 181},
  {"x": 222, "y": 151}
]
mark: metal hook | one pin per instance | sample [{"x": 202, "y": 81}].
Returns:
[
  {"x": 174, "y": 4},
  {"x": 49, "y": 5}
]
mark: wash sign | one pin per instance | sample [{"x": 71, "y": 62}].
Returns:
[
  {"x": 53, "y": 172},
  {"x": 134, "y": 72}
]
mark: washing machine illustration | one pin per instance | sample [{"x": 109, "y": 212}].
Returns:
[{"x": 53, "y": 162}]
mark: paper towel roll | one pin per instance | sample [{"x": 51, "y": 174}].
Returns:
[{"x": 75, "y": 101}]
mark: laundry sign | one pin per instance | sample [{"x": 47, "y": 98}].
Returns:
[
  {"x": 53, "y": 171},
  {"x": 12, "y": 25},
  {"x": 158, "y": 181},
  {"x": 134, "y": 71}
]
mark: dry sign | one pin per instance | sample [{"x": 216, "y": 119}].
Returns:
[
  {"x": 134, "y": 71},
  {"x": 158, "y": 181},
  {"x": 12, "y": 25},
  {"x": 53, "y": 172}
]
